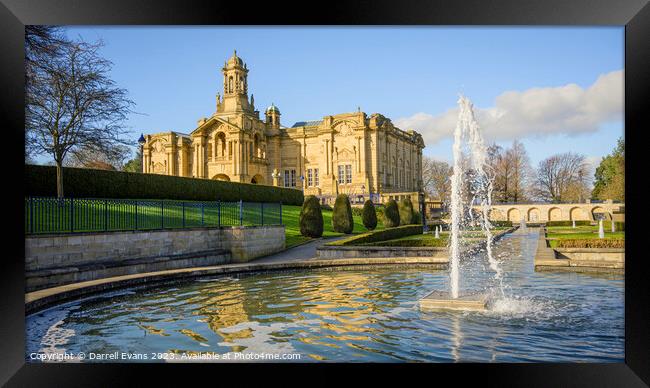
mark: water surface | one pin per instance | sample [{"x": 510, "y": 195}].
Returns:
[{"x": 351, "y": 315}]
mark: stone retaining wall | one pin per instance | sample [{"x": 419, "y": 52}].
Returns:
[
  {"x": 610, "y": 260},
  {"x": 249, "y": 242},
  {"x": 52, "y": 260}
]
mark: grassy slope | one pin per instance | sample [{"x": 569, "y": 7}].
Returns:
[{"x": 290, "y": 218}]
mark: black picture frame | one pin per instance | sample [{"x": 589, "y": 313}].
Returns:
[{"x": 634, "y": 14}]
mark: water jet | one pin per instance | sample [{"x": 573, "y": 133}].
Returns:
[{"x": 467, "y": 131}]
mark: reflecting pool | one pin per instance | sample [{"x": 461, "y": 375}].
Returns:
[{"x": 352, "y": 315}]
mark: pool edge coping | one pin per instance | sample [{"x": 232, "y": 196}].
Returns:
[{"x": 45, "y": 298}]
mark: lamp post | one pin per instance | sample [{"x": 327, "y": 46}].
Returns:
[
  {"x": 363, "y": 192},
  {"x": 423, "y": 209},
  {"x": 302, "y": 182},
  {"x": 141, "y": 141}
]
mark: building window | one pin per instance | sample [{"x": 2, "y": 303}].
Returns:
[
  {"x": 289, "y": 178},
  {"x": 341, "y": 175},
  {"x": 316, "y": 181},
  {"x": 310, "y": 178},
  {"x": 348, "y": 173}
]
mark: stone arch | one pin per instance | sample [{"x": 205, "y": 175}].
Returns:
[
  {"x": 496, "y": 215},
  {"x": 578, "y": 214},
  {"x": 554, "y": 214},
  {"x": 258, "y": 179},
  {"x": 599, "y": 213},
  {"x": 159, "y": 168},
  {"x": 533, "y": 214},
  {"x": 514, "y": 215},
  {"x": 221, "y": 177}
]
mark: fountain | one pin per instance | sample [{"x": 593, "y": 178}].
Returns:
[
  {"x": 467, "y": 130},
  {"x": 601, "y": 231},
  {"x": 573, "y": 225},
  {"x": 613, "y": 226},
  {"x": 437, "y": 232},
  {"x": 522, "y": 225}
]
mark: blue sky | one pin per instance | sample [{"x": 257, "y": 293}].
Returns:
[{"x": 411, "y": 74}]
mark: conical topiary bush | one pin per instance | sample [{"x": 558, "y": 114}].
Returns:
[
  {"x": 342, "y": 221},
  {"x": 369, "y": 215},
  {"x": 311, "y": 218},
  {"x": 405, "y": 211},
  {"x": 391, "y": 214}
]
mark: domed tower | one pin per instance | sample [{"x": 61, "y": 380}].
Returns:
[
  {"x": 273, "y": 116},
  {"x": 235, "y": 85}
]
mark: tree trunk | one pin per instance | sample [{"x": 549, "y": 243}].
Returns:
[{"x": 59, "y": 180}]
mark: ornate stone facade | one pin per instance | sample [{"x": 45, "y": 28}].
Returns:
[{"x": 350, "y": 153}]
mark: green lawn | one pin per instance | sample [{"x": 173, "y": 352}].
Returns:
[
  {"x": 290, "y": 219},
  {"x": 85, "y": 215},
  {"x": 584, "y": 232},
  {"x": 429, "y": 240}
]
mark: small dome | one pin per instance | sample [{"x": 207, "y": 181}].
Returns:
[
  {"x": 235, "y": 60},
  {"x": 273, "y": 108}
]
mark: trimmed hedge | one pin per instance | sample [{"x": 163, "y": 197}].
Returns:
[
  {"x": 413, "y": 243},
  {"x": 311, "y": 218},
  {"x": 501, "y": 223},
  {"x": 391, "y": 214},
  {"x": 89, "y": 183},
  {"x": 342, "y": 220},
  {"x": 380, "y": 235},
  {"x": 369, "y": 215},
  {"x": 567, "y": 223},
  {"x": 405, "y": 208},
  {"x": 620, "y": 226},
  {"x": 591, "y": 243},
  {"x": 417, "y": 217}
]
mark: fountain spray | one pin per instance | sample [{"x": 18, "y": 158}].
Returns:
[{"x": 467, "y": 129}]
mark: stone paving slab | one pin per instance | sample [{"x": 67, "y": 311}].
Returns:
[{"x": 441, "y": 300}]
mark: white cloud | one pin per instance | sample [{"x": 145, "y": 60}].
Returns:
[{"x": 567, "y": 109}]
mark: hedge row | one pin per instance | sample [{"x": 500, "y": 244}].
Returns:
[
  {"x": 591, "y": 243},
  {"x": 381, "y": 235},
  {"x": 567, "y": 223},
  {"x": 89, "y": 183},
  {"x": 620, "y": 226},
  {"x": 413, "y": 243},
  {"x": 501, "y": 223}
]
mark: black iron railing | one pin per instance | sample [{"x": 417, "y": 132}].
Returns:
[{"x": 74, "y": 215}]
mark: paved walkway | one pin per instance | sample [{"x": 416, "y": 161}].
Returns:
[{"x": 302, "y": 252}]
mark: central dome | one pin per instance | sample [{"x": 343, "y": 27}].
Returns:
[
  {"x": 272, "y": 108},
  {"x": 235, "y": 60}
]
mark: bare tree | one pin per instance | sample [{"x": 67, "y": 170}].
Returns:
[
  {"x": 521, "y": 171},
  {"x": 41, "y": 44},
  {"x": 73, "y": 105},
  {"x": 436, "y": 177},
  {"x": 511, "y": 172},
  {"x": 500, "y": 170},
  {"x": 562, "y": 177},
  {"x": 89, "y": 157}
]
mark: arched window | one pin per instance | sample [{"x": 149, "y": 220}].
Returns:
[
  {"x": 221, "y": 144},
  {"x": 256, "y": 145},
  {"x": 230, "y": 84}
]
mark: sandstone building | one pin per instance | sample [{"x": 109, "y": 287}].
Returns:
[{"x": 353, "y": 153}]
